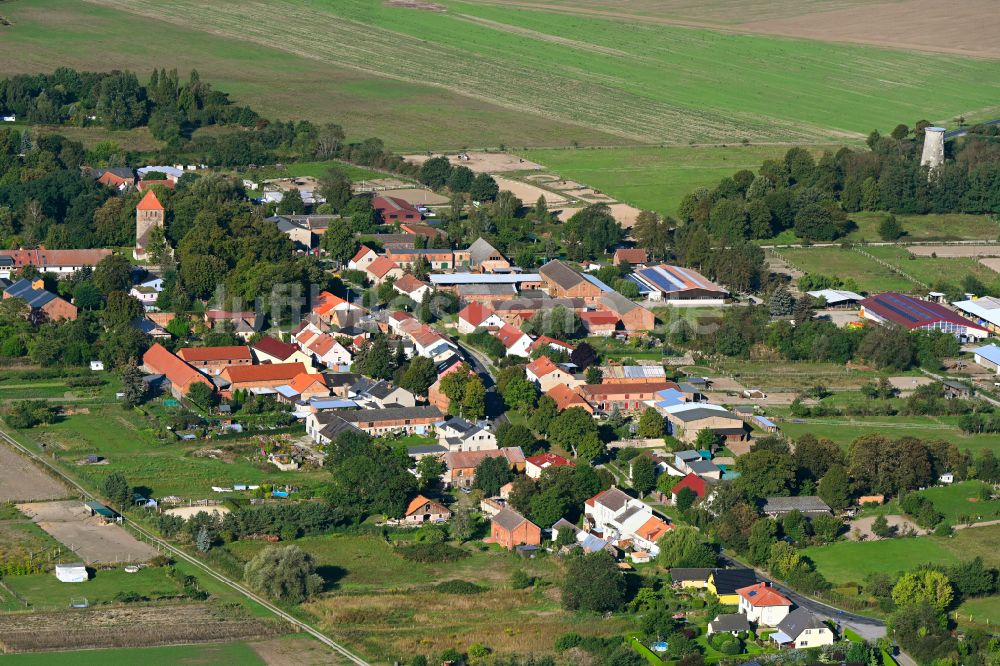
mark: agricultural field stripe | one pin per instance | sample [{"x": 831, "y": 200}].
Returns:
[{"x": 309, "y": 629}]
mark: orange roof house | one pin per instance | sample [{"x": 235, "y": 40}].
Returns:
[
  {"x": 546, "y": 341},
  {"x": 514, "y": 340},
  {"x": 180, "y": 375},
  {"x": 216, "y": 358},
  {"x": 382, "y": 269},
  {"x": 567, "y": 397},
  {"x": 422, "y": 510},
  {"x": 270, "y": 375},
  {"x": 305, "y": 386},
  {"x": 630, "y": 256}
]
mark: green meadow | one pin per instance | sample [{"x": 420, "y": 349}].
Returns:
[{"x": 175, "y": 655}]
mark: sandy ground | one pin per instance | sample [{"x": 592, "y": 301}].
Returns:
[
  {"x": 951, "y": 251},
  {"x": 864, "y": 527},
  {"x": 624, "y": 213},
  {"x": 295, "y": 651},
  {"x": 416, "y": 195},
  {"x": 186, "y": 512},
  {"x": 528, "y": 193},
  {"x": 484, "y": 162},
  {"x": 992, "y": 263},
  {"x": 69, "y": 523},
  {"x": 968, "y": 27},
  {"x": 840, "y": 317},
  {"x": 22, "y": 481},
  {"x": 907, "y": 385}
]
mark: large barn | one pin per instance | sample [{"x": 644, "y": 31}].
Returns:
[{"x": 913, "y": 313}]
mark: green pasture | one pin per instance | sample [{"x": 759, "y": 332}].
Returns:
[
  {"x": 933, "y": 227},
  {"x": 934, "y": 270},
  {"x": 960, "y": 502},
  {"x": 209, "y": 654},
  {"x": 845, "y": 429},
  {"x": 835, "y": 261},
  {"x": 850, "y": 561},
  {"x": 982, "y": 612}
]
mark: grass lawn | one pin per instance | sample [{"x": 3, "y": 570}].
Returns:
[
  {"x": 962, "y": 500},
  {"x": 933, "y": 270},
  {"x": 845, "y": 430},
  {"x": 15, "y": 386},
  {"x": 850, "y": 561},
  {"x": 206, "y": 654},
  {"x": 983, "y": 612},
  {"x": 654, "y": 178},
  {"x": 942, "y": 227},
  {"x": 45, "y": 592},
  {"x": 788, "y": 375},
  {"x": 834, "y": 261}
]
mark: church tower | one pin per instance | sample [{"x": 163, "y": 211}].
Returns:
[{"x": 148, "y": 214}]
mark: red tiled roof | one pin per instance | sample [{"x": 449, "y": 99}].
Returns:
[
  {"x": 362, "y": 251},
  {"x": 632, "y": 256},
  {"x": 419, "y": 501},
  {"x": 263, "y": 373},
  {"x": 322, "y": 344},
  {"x": 762, "y": 594},
  {"x": 149, "y": 202},
  {"x": 509, "y": 335},
  {"x": 653, "y": 529},
  {"x": 169, "y": 184},
  {"x": 544, "y": 340},
  {"x": 395, "y": 204},
  {"x": 566, "y": 397},
  {"x": 692, "y": 481},
  {"x": 475, "y": 313},
  {"x": 381, "y": 266},
  {"x": 303, "y": 381},
  {"x": 274, "y": 347},
  {"x": 541, "y": 366},
  {"x": 42, "y": 257},
  {"x": 177, "y": 372},
  {"x": 549, "y": 460},
  {"x": 408, "y": 284},
  {"x": 599, "y": 317},
  {"x": 326, "y": 302},
  {"x": 231, "y": 353}
]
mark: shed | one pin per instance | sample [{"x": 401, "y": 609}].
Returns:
[{"x": 72, "y": 573}]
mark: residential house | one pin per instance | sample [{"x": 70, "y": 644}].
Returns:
[
  {"x": 421, "y": 510},
  {"x": 561, "y": 281},
  {"x": 272, "y": 350},
  {"x": 509, "y": 529},
  {"x": 457, "y": 434},
  {"x": 44, "y": 305},
  {"x": 801, "y": 629},
  {"x": 362, "y": 259},
  {"x": 60, "y": 262},
  {"x": 568, "y": 396},
  {"x": 687, "y": 419},
  {"x": 729, "y": 623},
  {"x": 515, "y": 341},
  {"x": 305, "y": 231},
  {"x": 324, "y": 427},
  {"x": 626, "y": 522},
  {"x": 587, "y": 542},
  {"x": 383, "y": 269},
  {"x": 328, "y": 304},
  {"x": 213, "y": 360},
  {"x": 327, "y": 351},
  {"x": 553, "y": 344},
  {"x": 412, "y": 287},
  {"x": 625, "y": 396},
  {"x": 409, "y": 420},
  {"x": 808, "y": 505},
  {"x": 244, "y": 324},
  {"x": 692, "y": 482},
  {"x": 460, "y": 466},
  {"x": 545, "y": 374},
  {"x": 631, "y": 256},
  {"x": 690, "y": 577},
  {"x": 386, "y": 394},
  {"x": 914, "y": 313},
  {"x": 724, "y": 584},
  {"x": 148, "y": 292},
  {"x": 535, "y": 465},
  {"x": 394, "y": 209},
  {"x": 179, "y": 375},
  {"x": 953, "y": 390},
  {"x": 763, "y": 604},
  {"x": 475, "y": 316},
  {"x": 150, "y": 328},
  {"x": 118, "y": 178},
  {"x": 304, "y": 387},
  {"x": 439, "y": 259},
  {"x": 260, "y": 378},
  {"x": 485, "y": 258}
]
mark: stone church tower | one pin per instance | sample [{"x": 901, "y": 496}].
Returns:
[{"x": 148, "y": 214}]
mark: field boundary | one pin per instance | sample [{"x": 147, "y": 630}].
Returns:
[{"x": 151, "y": 538}]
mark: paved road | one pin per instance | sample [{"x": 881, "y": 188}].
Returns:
[
  {"x": 176, "y": 552},
  {"x": 482, "y": 367},
  {"x": 868, "y": 628},
  {"x": 965, "y": 130}
]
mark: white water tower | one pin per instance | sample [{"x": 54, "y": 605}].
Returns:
[{"x": 933, "y": 155}]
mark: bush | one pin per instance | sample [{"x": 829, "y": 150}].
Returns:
[
  {"x": 567, "y": 641},
  {"x": 459, "y": 587},
  {"x": 520, "y": 580},
  {"x": 431, "y": 552}
]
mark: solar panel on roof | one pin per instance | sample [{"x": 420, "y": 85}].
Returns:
[
  {"x": 661, "y": 279},
  {"x": 597, "y": 283}
]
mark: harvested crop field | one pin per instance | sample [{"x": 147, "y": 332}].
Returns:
[
  {"x": 483, "y": 162},
  {"x": 22, "y": 481},
  {"x": 529, "y": 193},
  {"x": 131, "y": 626},
  {"x": 69, "y": 523}
]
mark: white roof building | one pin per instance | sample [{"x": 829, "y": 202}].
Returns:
[
  {"x": 835, "y": 297},
  {"x": 984, "y": 311}
]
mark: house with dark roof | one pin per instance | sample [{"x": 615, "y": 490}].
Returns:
[
  {"x": 633, "y": 316},
  {"x": 801, "y": 629},
  {"x": 509, "y": 529},
  {"x": 809, "y": 506},
  {"x": 272, "y": 350},
  {"x": 410, "y": 420},
  {"x": 728, "y": 623},
  {"x": 561, "y": 281},
  {"x": 626, "y": 522},
  {"x": 724, "y": 583},
  {"x": 915, "y": 313},
  {"x": 486, "y": 258},
  {"x": 44, "y": 305},
  {"x": 690, "y": 577},
  {"x": 387, "y": 394},
  {"x": 458, "y": 434},
  {"x": 325, "y": 426}
]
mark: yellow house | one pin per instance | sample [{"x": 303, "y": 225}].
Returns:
[
  {"x": 723, "y": 583},
  {"x": 690, "y": 578}
]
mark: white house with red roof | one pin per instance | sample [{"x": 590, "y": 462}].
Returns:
[
  {"x": 535, "y": 465},
  {"x": 626, "y": 522},
  {"x": 383, "y": 269},
  {"x": 327, "y": 304},
  {"x": 272, "y": 350},
  {"x": 764, "y": 605},
  {"x": 553, "y": 344},
  {"x": 477, "y": 315},
  {"x": 545, "y": 374},
  {"x": 693, "y": 482},
  {"x": 362, "y": 259},
  {"x": 514, "y": 340},
  {"x": 412, "y": 287}
]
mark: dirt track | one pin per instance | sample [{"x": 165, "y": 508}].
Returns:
[
  {"x": 955, "y": 251},
  {"x": 21, "y": 481},
  {"x": 95, "y": 543}
]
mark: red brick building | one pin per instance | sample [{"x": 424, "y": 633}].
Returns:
[
  {"x": 510, "y": 529},
  {"x": 212, "y": 360},
  {"x": 394, "y": 209}
]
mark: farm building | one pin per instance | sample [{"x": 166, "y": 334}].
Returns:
[
  {"x": 914, "y": 313},
  {"x": 984, "y": 311},
  {"x": 988, "y": 357},
  {"x": 422, "y": 510},
  {"x": 60, "y": 262},
  {"x": 509, "y": 529},
  {"x": 212, "y": 360},
  {"x": 394, "y": 209},
  {"x": 178, "y": 373},
  {"x": 633, "y": 374},
  {"x": 837, "y": 298},
  {"x": 44, "y": 305},
  {"x": 633, "y": 256},
  {"x": 808, "y": 505},
  {"x": 561, "y": 281},
  {"x": 625, "y": 396},
  {"x": 674, "y": 283}
]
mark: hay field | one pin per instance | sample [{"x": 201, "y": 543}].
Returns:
[{"x": 592, "y": 79}]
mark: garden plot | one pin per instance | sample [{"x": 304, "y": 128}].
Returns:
[
  {"x": 483, "y": 162},
  {"x": 70, "y": 523},
  {"x": 22, "y": 481},
  {"x": 529, "y": 193}
]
